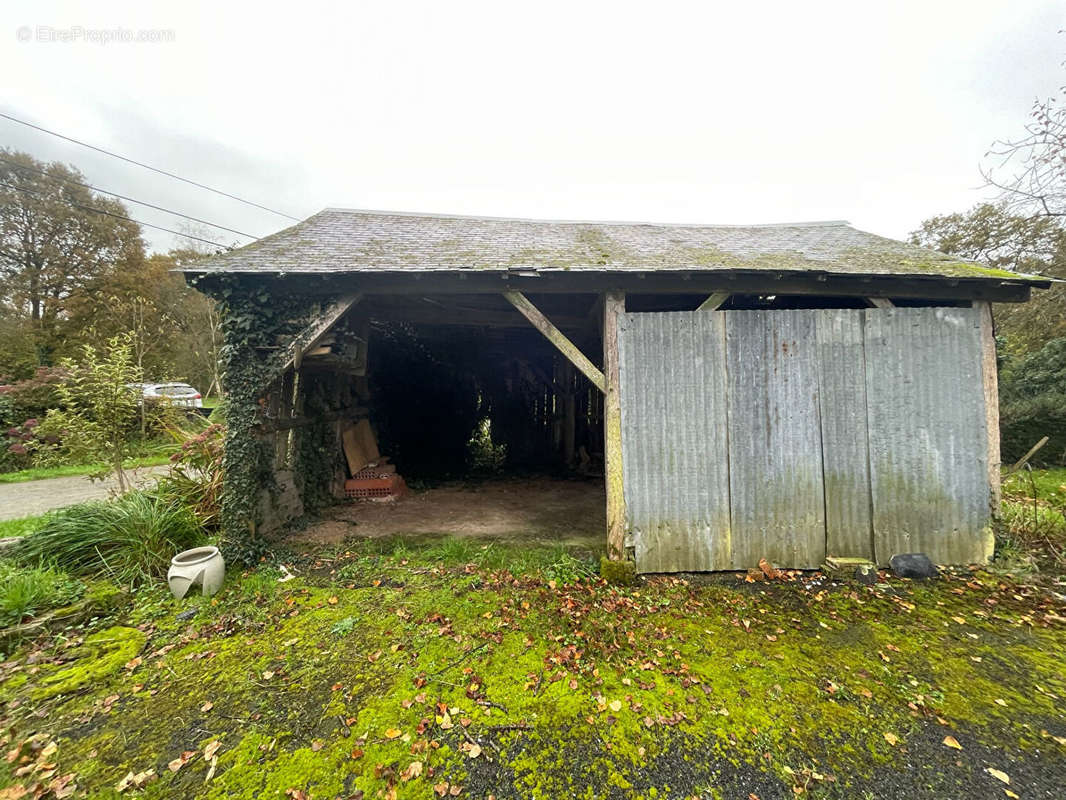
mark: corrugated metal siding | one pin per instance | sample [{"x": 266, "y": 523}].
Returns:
[
  {"x": 781, "y": 434},
  {"x": 674, "y": 450},
  {"x": 927, "y": 433},
  {"x": 845, "y": 453},
  {"x": 777, "y": 509}
]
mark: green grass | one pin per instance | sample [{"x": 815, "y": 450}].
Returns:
[
  {"x": 1033, "y": 525},
  {"x": 20, "y": 526},
  {"x": 129, "y": 540},
  {"x": 211, "y": 402},
  {"x": 41, "y": 473},
  {"x": 28, "y": 591},
  {"x": 393, "y": 654},
  {"x": 1050, "y": 485}
]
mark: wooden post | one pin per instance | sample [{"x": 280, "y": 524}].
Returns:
[
  {"x": 557, "y": 338},
  {"x": 990, "y": 382},
  {"x": 614, "y": 307}
]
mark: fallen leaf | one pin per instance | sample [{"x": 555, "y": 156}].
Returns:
[
  {"x": 333, "y": 600},
  {"x": 412, "y": 771},
  {"x": 891, "y": 738},
  {"x": 951, "y": 741},
  {"x": 206, "y": 707},
  {"x": 211, "y": 749},
  {"x": 135, "y": 781},
  {"x": 999, "y": 775},
  {"x": 615, "y": 705},
  {"x": 392, "y": 733}
]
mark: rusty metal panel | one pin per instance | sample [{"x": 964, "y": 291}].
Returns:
[
  {"x": 674, "y": 450},
  {"x": 845, "y": 451},
  {"x": 777, "y": 507},
  {"x": 928, "y": 453}
]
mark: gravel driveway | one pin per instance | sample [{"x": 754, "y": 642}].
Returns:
[{"x": 37, "y": 497}]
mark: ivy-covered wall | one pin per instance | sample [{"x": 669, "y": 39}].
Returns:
[{"x": 258, "y": 324}]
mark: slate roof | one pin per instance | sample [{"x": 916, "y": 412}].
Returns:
[{"x": 342, "y": 240}]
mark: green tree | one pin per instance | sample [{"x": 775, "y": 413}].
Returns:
[
  {"x": 1000, "y": 237},
  {"x": 97, "y": 420},
  {"x": 174, "y": 329},
  {"x": 51, "y": 244}
]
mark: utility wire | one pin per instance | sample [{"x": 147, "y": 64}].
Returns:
[
  {"x": 116, "y": 216},
  {"x": 148, "y": 166},
  {"x": 123, "y": 197}
]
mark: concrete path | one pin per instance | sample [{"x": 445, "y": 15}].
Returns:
[{"x": 36, "y": 497}]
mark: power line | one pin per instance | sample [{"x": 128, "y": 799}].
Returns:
[
  {"x": 116, "y": 216},
  {"x": 148, "y": 166},
  {"x": 123, "y": 197}
]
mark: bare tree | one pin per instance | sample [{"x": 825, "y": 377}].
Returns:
[{"x": 1030, "y": 171}]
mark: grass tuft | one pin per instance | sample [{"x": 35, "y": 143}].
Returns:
[
  {"x": 25, "y": 592},
  {"x": 130, "y": 539}
]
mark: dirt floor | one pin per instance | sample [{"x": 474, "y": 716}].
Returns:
[{"x": 538, "y": 510}]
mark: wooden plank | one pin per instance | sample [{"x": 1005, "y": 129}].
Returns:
[
  {"x": 354, "y": 454},
  {"x": 557, "y": 338},
  {"x": 777, "y": 504},
  {"x": 714, "y": 301},
  {"x": 990, "y": 384},
  {"x": 928, "y": 444},
  {"x": 613, "y": 308},
  {"x": 672, "y": 372},
  {"x": 367, "y": 443},
  {"x": 845, "y": 445}
]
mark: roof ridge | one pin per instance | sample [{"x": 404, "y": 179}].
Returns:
[{"x": 486, "y": 218}]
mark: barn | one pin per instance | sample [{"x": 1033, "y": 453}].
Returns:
[{"x": 787, "y": 392}]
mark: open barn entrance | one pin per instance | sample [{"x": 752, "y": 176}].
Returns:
[{"x": 493, "y": 430}]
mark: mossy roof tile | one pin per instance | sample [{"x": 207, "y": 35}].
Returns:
[{"x": 342, "y": 240}]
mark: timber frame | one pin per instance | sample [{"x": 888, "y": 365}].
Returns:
[{"x": 571, "y": 282}]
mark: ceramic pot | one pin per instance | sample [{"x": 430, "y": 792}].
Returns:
[{"x": 202, "y": 565}]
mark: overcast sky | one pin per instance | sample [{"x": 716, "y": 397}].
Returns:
[{"x": 877, "y": 113}]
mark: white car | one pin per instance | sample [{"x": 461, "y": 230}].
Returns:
[{"x": 176, "y": 394}]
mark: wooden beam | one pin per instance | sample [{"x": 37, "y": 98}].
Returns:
[
  {"x": 714, "y": 301},
  {"x": 614, "y": 306},
  {"x": 879, "y": 302},
  {"x": 557, "y": 338},
  {"x": 658, "y": 282},
  {"x": 990, "y": 383},
  {"x": 313, "y": 333}
]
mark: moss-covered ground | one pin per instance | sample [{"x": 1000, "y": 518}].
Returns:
[{"x": 449, "y": 670}]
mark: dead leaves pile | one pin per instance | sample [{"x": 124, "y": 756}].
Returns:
[{"x": 33, "y": 761}]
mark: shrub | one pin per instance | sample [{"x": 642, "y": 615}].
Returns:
[
  {"x": 130, "y": 539},
  {"x": 30, "y": 398},
  {"x": 102, "y": 417},
  {"x": 1023, "y": 422},
  {"x": 1034, "y": 404},
  {"x": 25, "y": 592},
  {"x": 195, "y": 478}
]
